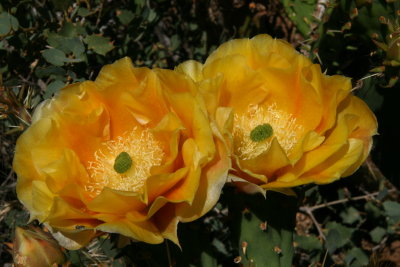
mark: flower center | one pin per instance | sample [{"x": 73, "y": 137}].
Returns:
[
  {"x": 125, "y": 162},
  {"x": 261, "y": 132},
  {"x": 255, "y": 129},
  {"x": 122, "y": 163}
]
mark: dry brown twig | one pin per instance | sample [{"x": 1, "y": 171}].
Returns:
[{"x": 375, "y": 173}]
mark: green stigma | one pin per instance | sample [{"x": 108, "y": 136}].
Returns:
[
  {"x": 122, "y": 163},
  {"x": 261, "y": 132}
]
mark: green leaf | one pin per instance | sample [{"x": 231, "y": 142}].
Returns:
[
  {"x": 74, "y": 257},
  {"x": 118, "y": 263},
  {"x": 7, "y": 23},
  {"x": 140, "y": 3},
  {"x": 265, "y": 228},
  {"x": 175, "y": 42},
  {"x": 61, "y": 4},
  {"x": 126, "y": 16},
  {"x": 16, "y": 218},
  {"x": 356, "y": 258},
  {"x": 338, "y": 236},
  {"x": 68, "y": 45},
  {"x": 382, "y": 194},
  {"x": 219, "y": 246},
  {"x": 372, "y": 210},
  {"x": 152, "y": 15},
  {"x": 350, "y": 215},
  {"x": 71, "y": 30},
  {"x": 54, "y": 56},
  {"x": 52, "y": 88},
  {"x": 377, "y": 234},
  {"x": 99, "y": 44},
  {"x": 83, "y": 12},
  {"x": 308, "y": 243},
  {"x": 334, "y": 240},
  {"x": 392, "y": 211},
  {"x": 51, "y": 71},
  {"x": 109, "y": 248}
]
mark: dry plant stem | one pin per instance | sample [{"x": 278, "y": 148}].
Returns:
[
  {"x": 331, "y": 203},
  {"x": 9, "y": 176},
  {"x": 321, "y": 8},
  {"x": 375, "y": 171},
  {"x": 325, "y": 257},
  {"x": 99, "y": 15},
  {"x": 381, "y": 244},
  {"x": 168, "y": 254},
  {"x": 309, "y": 210},
  {"x": 4, "y": 210},
  {"x": 360, "y": 82}
]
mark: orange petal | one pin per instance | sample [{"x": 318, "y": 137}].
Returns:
[
  {"x": 167, "y": 222},
  {"x": 212, "y": 179},
  {"x": 72, "y": 240},
  {"x": 157, "y": 185},
  {"x": 115, "y": 202},
  {"x": 267, "y": 162},
  {"x": 144, "y": 231}
]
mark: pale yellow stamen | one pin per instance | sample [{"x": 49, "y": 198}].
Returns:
[
  {"x": 284, "y": 126},
  {"x": 143, "y": 149}
]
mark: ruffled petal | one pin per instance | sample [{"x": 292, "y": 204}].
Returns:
[
  {"x": 144, "y": 231},
  {"x": 268, "y": 162},
  {"x": 213, "y": 178},
  {"x": 191, "y": 68}
]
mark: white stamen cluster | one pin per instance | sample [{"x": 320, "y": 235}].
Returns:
[
  {"x": 145, "y": 152},
  {"x": 285, "y": 130}
]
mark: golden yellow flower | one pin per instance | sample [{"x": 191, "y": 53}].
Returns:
[
  {"x": 131, "y": 153},
  {"x": 292, "y": 124}
]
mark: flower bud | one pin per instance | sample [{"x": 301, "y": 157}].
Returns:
[{"x": 33, "y": 247}]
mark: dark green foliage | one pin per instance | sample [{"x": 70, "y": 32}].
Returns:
[
  {"x": 308, "y": 243},
  {"x": 45, "y": 45},
  {"x": 8, "y": 23},
  {"x": 338, "y": 236},
  {"x": 354, "y": 223}
]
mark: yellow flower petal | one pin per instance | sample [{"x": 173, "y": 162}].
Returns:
[
  {"x": 42, "y": 200},
  {"x": 146, "y": 232},
  {"x": 167, "y": 221},
  {"x": 317, "y": 125},
  {"x": 268, "y": 162},
  {"x": 208, "y": 193},
  {"x": 73, "y": 241},
  {"x": 191, "y": 68},
  {"x": 67, "y": 161},
  {"x": 120, "y": 204}
]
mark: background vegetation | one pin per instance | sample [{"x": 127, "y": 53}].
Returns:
[{"x": 45, "y": 45}]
